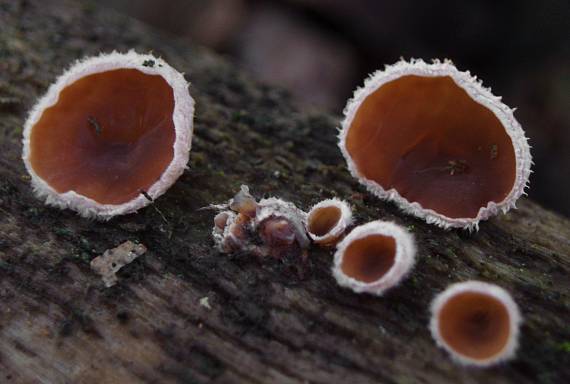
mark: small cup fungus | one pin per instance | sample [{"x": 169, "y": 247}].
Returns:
[
  {"x": 477, "y": 323},
  {"x": 435, "y": 141},
  {"x": 327, "y": 221},
  {"x": 110, "y": 135},
  {"x": 374, "y": 257}
]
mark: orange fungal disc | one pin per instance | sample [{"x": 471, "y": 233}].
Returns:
[
  {"x": 327, "y": 221},
  {"x": 110, "y": 135},
  {"x": 374, "y": 257},
  {"x": 436, "y": 142},
  {"x": 477, "y": 323}
]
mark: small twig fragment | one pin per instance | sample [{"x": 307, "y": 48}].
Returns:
[{"x": 147, "y": 196}]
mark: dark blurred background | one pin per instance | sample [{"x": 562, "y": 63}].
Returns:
[{"x": 321, "y": 50}]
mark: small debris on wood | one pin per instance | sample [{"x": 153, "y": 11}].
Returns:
[
  {"x": 112, "y": 260},
  {"x": 457, "y": 167},
  {"x": 205, "y": 302}
]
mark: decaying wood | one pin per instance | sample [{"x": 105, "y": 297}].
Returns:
[{"x": 183, "y": 313}]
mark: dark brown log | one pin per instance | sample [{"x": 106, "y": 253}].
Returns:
[{"x": 264, "y": 321}]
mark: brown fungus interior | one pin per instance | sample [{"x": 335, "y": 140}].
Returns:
[
  {"x": 368, "y": 259},
  {"x": 109, "y": 136},
  {"x": 428, "y": 139},
  {"x": 475, "y": 325},
  {"x": 323, "y": 220}
]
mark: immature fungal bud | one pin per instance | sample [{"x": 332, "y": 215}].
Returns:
[
  {"x": 111, "y": 134},
  {"x": 436, "y": 142},
  {"x": 222, "y": 218},
  {"x": 477, "y": 323},
  {"x": 244, "y": 203},
  {"x": 270, "y": 227},
  {"x": 224, "y": 230},
  {"x": 374, "y": 257},
  {"x": 281, "y": 226},
  {"x": 327, "y": 221}
]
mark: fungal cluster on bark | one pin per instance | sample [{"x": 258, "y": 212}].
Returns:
[
  {"x": 476, "y": 322},
  {"x": 114, "y": 132},
  {"x": 436, "y": 142},
  {"x": 276, "y": 227},
  {"x": 110, "y": 135},
  {"x": 270, "y": 227},
  {"x": 372, "y": 258}
]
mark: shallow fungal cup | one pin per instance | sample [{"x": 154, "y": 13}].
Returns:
[
  {"x": 327, "y": 221},
  {"x": 110, "y": 135},
  {"x": 374, "y": 257},
  {"x": 476, "y": 322},
  {"x": 436, "y": 142}
]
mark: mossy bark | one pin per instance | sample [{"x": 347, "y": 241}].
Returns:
[{"x": 263, "y": 320}]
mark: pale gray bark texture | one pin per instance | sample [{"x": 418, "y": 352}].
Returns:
[{"x": 269, "y": 320}]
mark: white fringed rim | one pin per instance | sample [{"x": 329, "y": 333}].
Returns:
[
  {"x": 340, "y": 227},
  {"x": 182, "y": 118},
  {"x": 403, "y": 261},
  {"x": 478, "y": 93},
  {"x": 494, "y": 291}
]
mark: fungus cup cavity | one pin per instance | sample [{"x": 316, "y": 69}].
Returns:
[
  {"x": 477, "y": 323},
  {"x": 110, "y": 135},
  {"x": 374, "y": 257},
  {"x": 436, "y": 142},
  {"x": 327, "y": 221}
]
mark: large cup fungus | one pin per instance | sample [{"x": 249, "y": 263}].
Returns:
[
  {"x": 435, "y": 141},
  {"x": 374, "y": 257},
  {"x": 477, "y": 323},
  {"x": 110, "y": 135}
]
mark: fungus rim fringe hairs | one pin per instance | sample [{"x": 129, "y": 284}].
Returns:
[
  {"x": 403, "y": 251},
  {"x": 439, "y": 143},
  {"x": 472, "y": 302},
  {"x": 93, "y": 131}
]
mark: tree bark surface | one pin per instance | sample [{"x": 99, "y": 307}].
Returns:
[{"x": 264, "y": 321}]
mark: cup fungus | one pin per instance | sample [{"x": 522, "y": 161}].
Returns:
[
  {"x": 374, "y": 257},
  {"x": 477, "y": 323},
  {"x": 270, "y": 227},
  {"x": 327, "y": 221},
  {"x": 110, "y": 135},
  {"x": 436, "y": 142}
]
